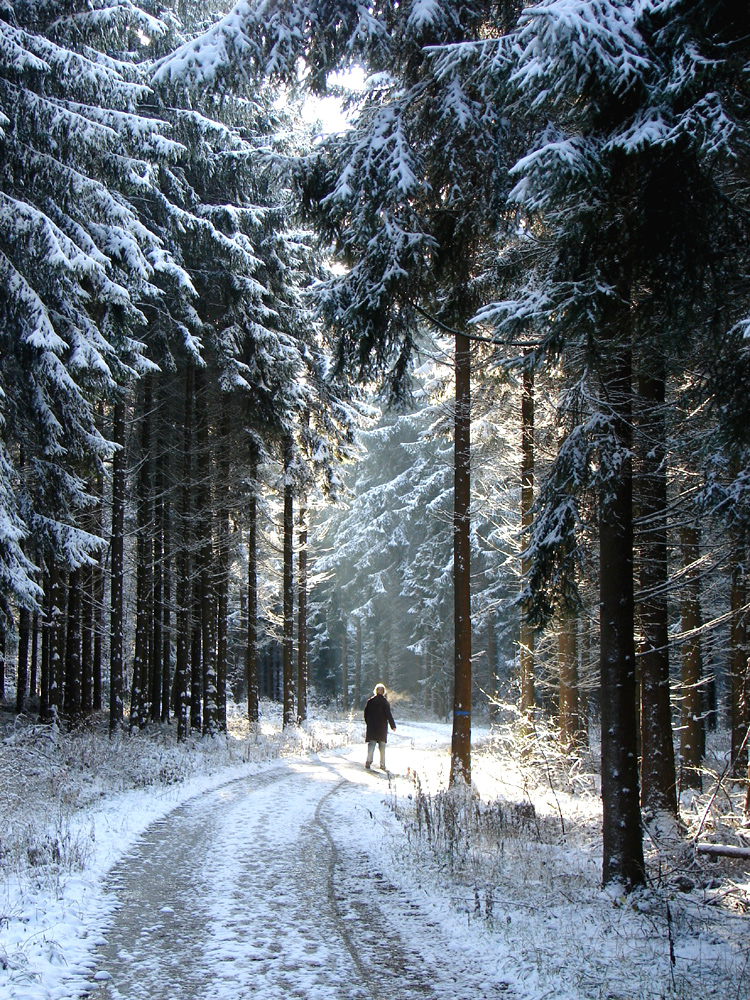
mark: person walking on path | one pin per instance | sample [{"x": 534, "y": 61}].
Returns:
[{"x": 377, "y": 718}]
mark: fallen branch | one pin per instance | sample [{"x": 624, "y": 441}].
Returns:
[{"x": 723, "y": 850}]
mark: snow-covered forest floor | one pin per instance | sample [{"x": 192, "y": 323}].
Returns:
[{"x": 508, "y": 879}]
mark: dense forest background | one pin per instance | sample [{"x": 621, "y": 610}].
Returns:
[{"x": 454, "y": 398}]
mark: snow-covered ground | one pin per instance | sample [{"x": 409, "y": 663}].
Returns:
[{"x": 275, "y": 866}]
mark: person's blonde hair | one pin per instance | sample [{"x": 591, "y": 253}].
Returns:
[{"x": 379, "y": 689}]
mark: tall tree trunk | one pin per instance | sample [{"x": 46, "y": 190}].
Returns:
[
  {"x": 526, "y": 649},
  {"x": 302, "y": 614},
  {"x": 34, "y": 663},
  {"x": 251, "y": 662},
  {"x": 493, "y": 679},
  {"x": 117, "y": 608},
  {"x": 22, "y": 664},
  {"x": 345, "y": 667},
  {"x": 44, "y": 678},
  {"x": 97, "y": 584},
  {"x": 622, "y": 837},
  {"x": 72, "y": 702},
  {"x": 56, "y": 642},
  {"x": 144, "y": 567},
  {"x": 205, "y": 580},
  {"x": 222, "y": 569},
  {"x": 183, "y": 590},
  {"x": 658, "y": 789},
  {"x": 157, "y": 636},
  {"x": 2, "y": 662},
  {"x": 288, "y": 595},
  {"x": 738, "y": 656},
  {"x": 358, "y": 667},
  {"x": 691, "y": 729},
  {"x": 166, "y": 653},
  {"x": 567, "y": 659},
  {"x": 87, "y": 639},
  {"x": 461, "y": 735}
]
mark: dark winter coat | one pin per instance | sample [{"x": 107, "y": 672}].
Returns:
[{"x": 378, "y": 717}]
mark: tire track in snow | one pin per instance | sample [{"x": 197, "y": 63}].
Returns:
[
  {"x": 259, "y": 889},
  {"x": 398, "y": 949}
]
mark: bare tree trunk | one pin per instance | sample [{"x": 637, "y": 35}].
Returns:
[
  {"x": 44, "y": 678},
  {"x": 97, "y": 586},
  {"x": 658, "y": 789},
  {"x": 622, "y": 836},
  {"x": 144, "y": 566},
  {"x": 166, "y": 655},
  {"x": 87, "y": 639},
  {"x": 738, "y": 657},
  {"x": 461, "y": 735},
  {"x": 56, "y": 642},
  {"x": 183, "y": 590},
  {"x": 72, "y": 702},
  {"x": 22, "y": 665},
  {"x": 288, "y": 596},
  {"x": 2, "y": 662},
  {"x": 196, "y": 639},
  {"x": 526, "y": 649},
  {"x": 117, "y": 609},
  {"x": 157, "y": 635},
  {"x": 345, "y": 667},
  {"x": 33, "y": 665},
  {"x": 691, "y": 729},
  {"x": 567, "y": 659},
  {"x": 205, "y": 581},
  {"x": 358, "y": 667},
  {"x": 302, "y": 614},
  {"x": 494, "y": 679},
  {"x": 251, "y": 663},
  {"x": 222, "y": 569}
]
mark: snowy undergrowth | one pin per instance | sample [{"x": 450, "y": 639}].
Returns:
[
  {"x": 50, "y": 778},
  {"x": 521, "y": 853}
]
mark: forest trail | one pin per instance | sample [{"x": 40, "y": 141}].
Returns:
[{"x": 265, "y": 889}]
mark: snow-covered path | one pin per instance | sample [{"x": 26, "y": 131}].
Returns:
[{"x": 274, "y": 887}]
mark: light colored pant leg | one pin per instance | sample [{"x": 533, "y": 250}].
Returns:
[
  {"x": 381, "y": 747},
  {"x": 371, "y": 751}
]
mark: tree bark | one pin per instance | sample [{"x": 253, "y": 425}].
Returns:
[
  {"x": 738, "y": 657},
  {"x": 144, "y": 567},
  {"x": 183, "y": 590},
  {"x": 2, "y": 662},
  {"x": 157, "y": 635},
  {"x": 72, "y": 701},
  {"x": 207, "y": 604},
  {"x": 22, "y": 665},
  {"x": 34, "y": 662},
  {"x": 117, "y": 609},
  {"x": 461, "y": 736},
  {"x": 288, "y": 595},
  {"x": 222, "y": 568},
  {"x": 692, "y": 732},
  {"x": 166, "y": 655},
  {"x": 567, "y": 658},
  {"x": 302, "y": 613},
  {"x": 56, "y": 642},
  {"x": 526, "y": 646},
  {"x": 658, "y": 789},
  {"x": 345, "y": 667},
  {"x": 358, "y": 667},
  {"x": 251, "y": 662},
  {"x": 97, "y": 586},
  {"x": 87, "y": 639},
  {"x": 44, "y": 675},
  {"x": 622, "y": 837}
]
